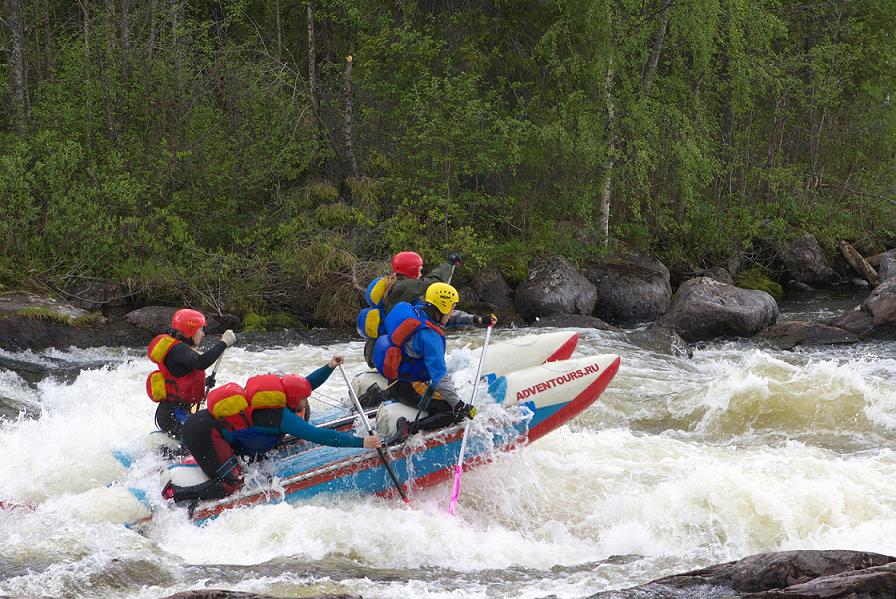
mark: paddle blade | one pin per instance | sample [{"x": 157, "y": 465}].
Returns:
[{"x": 456, "y": 491}]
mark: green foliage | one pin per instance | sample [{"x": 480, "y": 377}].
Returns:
[
  {"x": 268, "y": 322},
  {"x": 197, "y": 165}
]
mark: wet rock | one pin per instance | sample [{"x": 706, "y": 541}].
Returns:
[
  {"x": 792, "y": 286},
  {"x": 805, "y": 262},
  {"x": 787, "y": 335},
  {"x": 491, "y": 287},
  {"x": 858, "y": 322},
  {"x": 793, "y": 574},
  {"x": 581, "y": 321},
  {"x": 222, "y": 594},
  {"x": 157, "y": 320},
  {"x": 631, "y": 288},
  {"x": 719, "y": 273},
  {"x": 662, "y": 340},
  {"x": 554, "y": 286},
  {"x": 30, "y": 321},
  {"x": 886, "y": 266},
  {"x": 703, "y": 308}
]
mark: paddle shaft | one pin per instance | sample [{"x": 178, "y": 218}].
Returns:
[
  {"x": 463, "y": 444},
  {"x": 379, "y": 450},
  {"x": 214, "y": 371}
]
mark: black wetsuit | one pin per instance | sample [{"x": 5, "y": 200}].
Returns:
[{"x": 181, "y": 360}]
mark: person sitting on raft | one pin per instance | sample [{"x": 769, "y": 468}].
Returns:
[
  {"x": 251, "y": 421},
  {"x": 179, "y": 383},
  {"x": 413, "y": 351},
  {"x": 407, "y": 284}
]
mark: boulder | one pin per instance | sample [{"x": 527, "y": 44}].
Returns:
[
  {"x": 787, "y": 335},
  {"x": 660, "y": 339},
  {"x": 719, "y": 273},
  {"x": 806, "y": 574},
  {"x": 804, "y": 261},
  {"x": 157, "y": 320},
  {"x": 581, "y": 321},
  {"x": 702, "y": 308},
  {"x": 858, "y": 322},
  {"x": 886, "y": 266},
  {"x": 491, "y": 287},
  {"x": 631, "y": 288},
  {"x": 881, "y": 303},
  {"x": 31, "y": 321},
  {"x": 554, "y": 286}
]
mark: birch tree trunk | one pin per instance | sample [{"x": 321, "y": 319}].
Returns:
[
  {"x": 603, "y": 220},
  {"x": 348, "y": 118},
  {"x": 650, "y": 70}
]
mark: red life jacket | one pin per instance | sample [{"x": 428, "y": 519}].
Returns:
[
  {"x": 161, "y": 385},
  {"x": 233, "y": 405}
]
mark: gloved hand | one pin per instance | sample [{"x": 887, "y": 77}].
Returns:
[
  {"x": 454, "y": 258},
  {"x": 464, "y": 410},
  {"x": 228, "y": 337},
  {"x": 210, "y": 381},
  {"x": 488, "y": 320}
]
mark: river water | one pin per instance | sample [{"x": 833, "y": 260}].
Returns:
[{"x": 683, "y": 463}]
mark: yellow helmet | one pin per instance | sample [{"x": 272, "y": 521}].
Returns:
[{"x": 443, "y": 296}]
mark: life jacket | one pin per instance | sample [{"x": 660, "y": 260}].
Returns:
[
  {"x": 370, "y": 319},
  {"x": 234, "y": 408},
  {"x": 161, "y": 385},
  {"x": 390, "y": 354}
]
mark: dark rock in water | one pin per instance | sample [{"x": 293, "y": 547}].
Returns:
[
  {"x": 32, "y": 373},
  {"x": 858, "y": 322},
  {"x": 630, "y": 288},
  {"x": 581, "y": 321},
  {"x": 805, "y": 262},
  {"x": 662, "y": 340},
  {"x": 703, "y": 308},
  {"x": 554, "y": 286},
  {"x": 491, "y": 287},
  {"x": 826, "y": 574},
  {"x": 221, "y": 594},
  {"x": 157, "y": 320},
  {"x": 20, "y": 332},
  {"x": 798, "y": 287},
  {"x": 887, "y": 268},
  {"x": 787, "y": 335}
]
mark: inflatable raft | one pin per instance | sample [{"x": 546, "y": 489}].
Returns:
[
  {"x": 501, "y": 358},
  {"x": 525, "y": 405}
]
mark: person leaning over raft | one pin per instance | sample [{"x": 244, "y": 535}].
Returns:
[
  {"x": 250, "y": 422},
  {"x": 407, "y": 284},
  {"x": 179, "y": 383},
  {"x": 413, "y": 351}
]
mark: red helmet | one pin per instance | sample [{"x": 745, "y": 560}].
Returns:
[
  {"x": 296, "y": 389},
  {"x": 187, "y": 321},
  {"x": 409, "y": 264}
]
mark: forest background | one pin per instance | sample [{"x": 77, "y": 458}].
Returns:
[{"x": 268, "y": 156}]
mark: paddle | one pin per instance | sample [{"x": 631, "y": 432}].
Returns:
[
  {"x": 463, "y": 444},
  {"x": 379, "y": 449},
  {"x": 210, "y": 379}
]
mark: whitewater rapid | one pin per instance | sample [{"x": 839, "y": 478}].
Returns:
[{"x": 684, "y": 462}]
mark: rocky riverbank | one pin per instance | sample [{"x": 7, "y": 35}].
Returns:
[{"x": 622, "y": 289}]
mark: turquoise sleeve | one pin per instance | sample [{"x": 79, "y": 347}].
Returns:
[
  {"x": 319, "y": 376},
  {"x": 297, "y": 427}
]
